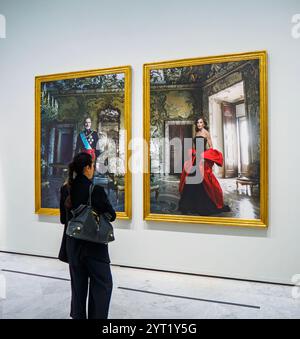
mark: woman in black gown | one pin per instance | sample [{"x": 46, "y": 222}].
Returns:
[{"x": 205, "y": 197}]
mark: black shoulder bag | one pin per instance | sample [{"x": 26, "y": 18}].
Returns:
[{"x": 88, "y": 225}]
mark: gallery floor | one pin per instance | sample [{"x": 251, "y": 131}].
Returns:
[{"x": 40, "y": 288}]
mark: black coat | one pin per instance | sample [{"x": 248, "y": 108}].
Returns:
[{"x": 73, "y": 249}]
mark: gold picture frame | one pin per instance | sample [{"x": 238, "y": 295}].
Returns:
[
  {"x": 161, "y": 81},
  {"x": 106, "y": 94}
]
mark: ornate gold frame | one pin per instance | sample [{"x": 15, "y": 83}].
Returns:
[
  {"x": 82, "y": 74},
  {"x": 263, "y": 221}
]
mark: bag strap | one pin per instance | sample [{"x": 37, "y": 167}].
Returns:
[{"x": 91, "y": 188}]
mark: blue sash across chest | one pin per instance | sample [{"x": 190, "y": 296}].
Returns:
[{"x": 85, "y": 142}]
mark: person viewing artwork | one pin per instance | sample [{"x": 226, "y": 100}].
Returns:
[
  {"x": 89, "y": 262},
  {"x": 203, "y": 196},
  {"x": 87, "y": 140}
]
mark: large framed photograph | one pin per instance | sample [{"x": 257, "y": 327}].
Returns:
[
  {"x": 206, "y": 140},
  {"x": 87, "y": 111}
]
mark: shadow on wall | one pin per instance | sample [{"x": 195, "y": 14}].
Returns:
[
  {"x": 208, "y": 229},
  {"x": 3, "y": 210},
  {"x": 119, "y": 224}
]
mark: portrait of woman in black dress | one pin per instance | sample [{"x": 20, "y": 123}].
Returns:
[{"x": 203, "y": 196}]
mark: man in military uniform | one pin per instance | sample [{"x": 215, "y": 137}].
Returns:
[{"x": 87, "y": 140}]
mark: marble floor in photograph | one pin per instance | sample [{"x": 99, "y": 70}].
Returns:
[
  {"x": 39, "y": 288},
  {"x": 241, "y": 202}
]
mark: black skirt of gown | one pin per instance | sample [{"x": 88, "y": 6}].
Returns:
[{"x": 195, "y": 200}]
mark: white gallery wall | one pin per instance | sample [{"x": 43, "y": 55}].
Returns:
[{"x": 45, "y": 37}]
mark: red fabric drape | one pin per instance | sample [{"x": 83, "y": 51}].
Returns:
[
  {"x": 90, "y": 152},
  {"x": 210, "y": 182}
]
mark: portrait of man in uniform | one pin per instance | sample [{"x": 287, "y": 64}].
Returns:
[
  {"x": 87, "y": 140},
  {"x": 83, "y": 112}
]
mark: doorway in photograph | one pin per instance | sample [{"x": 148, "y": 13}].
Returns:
[
  {"x": 179, "y": 133},
  {"x": 229, "y": 126}
]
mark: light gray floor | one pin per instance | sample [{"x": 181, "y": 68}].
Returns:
[{"x": 32, "y": 297}]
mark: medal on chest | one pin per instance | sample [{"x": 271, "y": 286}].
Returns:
[{"x": 90, "y": 138}]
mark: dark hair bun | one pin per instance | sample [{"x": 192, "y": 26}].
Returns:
[{"x": 80, "y": 161}]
